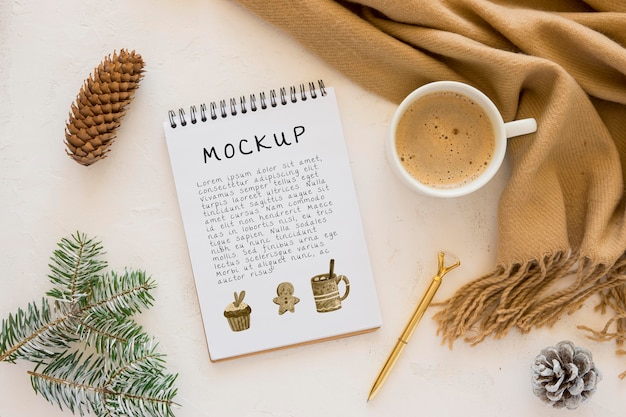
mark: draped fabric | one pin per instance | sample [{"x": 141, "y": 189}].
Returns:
[{"x": 561, "y": 217}]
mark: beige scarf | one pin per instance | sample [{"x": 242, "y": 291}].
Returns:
[{"x": 561, "y": 217}]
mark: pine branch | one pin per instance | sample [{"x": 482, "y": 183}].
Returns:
[
  {"x": 121, "y": 295},
  {"x": 134, "y": 383},
  {"x": 35, "y": 335},
  {"x": 106, "y": 332},
  {"x": 104, "y": 322},
  {"x": 125, "y": 375},
  {"x": 140, "y": 382},
  {"x": 74, "y": 266},
  {"x": 153, "y": 398},
  {"x": 137, "y": 360},
  {"x": 73, "y": 382}
]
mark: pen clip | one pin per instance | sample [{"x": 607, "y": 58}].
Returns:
[{"x": 442, "y": 269}]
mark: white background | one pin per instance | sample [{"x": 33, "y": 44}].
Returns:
[{"x": 203, "y": 50}]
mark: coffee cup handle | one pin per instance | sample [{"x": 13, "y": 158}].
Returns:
[
  {"x": 345, "y": 280},
  {"x": 520, "y": 127}
]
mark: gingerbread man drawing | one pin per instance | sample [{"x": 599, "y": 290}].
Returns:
[{"x": 285, "y": 300}]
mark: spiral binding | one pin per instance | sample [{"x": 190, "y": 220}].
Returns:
[{"x": 233, "y": 107}]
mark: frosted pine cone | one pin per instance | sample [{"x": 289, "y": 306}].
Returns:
[
  {"x": 100, "y": 105},
  {"x": 564, "y": 375}
]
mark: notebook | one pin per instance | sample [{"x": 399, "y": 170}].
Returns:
[{"x": 271, "y": 219}]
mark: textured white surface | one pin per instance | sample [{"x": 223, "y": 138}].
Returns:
[{"x": 202, "y": 50}]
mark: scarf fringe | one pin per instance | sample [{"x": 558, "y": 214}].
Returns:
[
  {"x": 613, "y": 298},
  {"x": 497, "y": 302},
  {"x": 523, "y": 296}
]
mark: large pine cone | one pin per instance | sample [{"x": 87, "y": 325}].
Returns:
[
  {"x": 100, "y": 105},
  {"x": 564, "y": 375}
]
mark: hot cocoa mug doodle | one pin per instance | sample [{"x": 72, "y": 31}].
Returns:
[{"x": 326, "y": 291}]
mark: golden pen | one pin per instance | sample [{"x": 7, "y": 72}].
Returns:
[{"x": 412, "y": 324}]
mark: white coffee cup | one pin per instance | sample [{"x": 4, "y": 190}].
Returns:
[{"x": 501, "y": 131}]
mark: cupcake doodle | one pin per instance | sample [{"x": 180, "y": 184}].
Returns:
[{"x": 238, "y": 313}]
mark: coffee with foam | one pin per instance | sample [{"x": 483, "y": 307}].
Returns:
[{"x": 445, "y": 140}]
